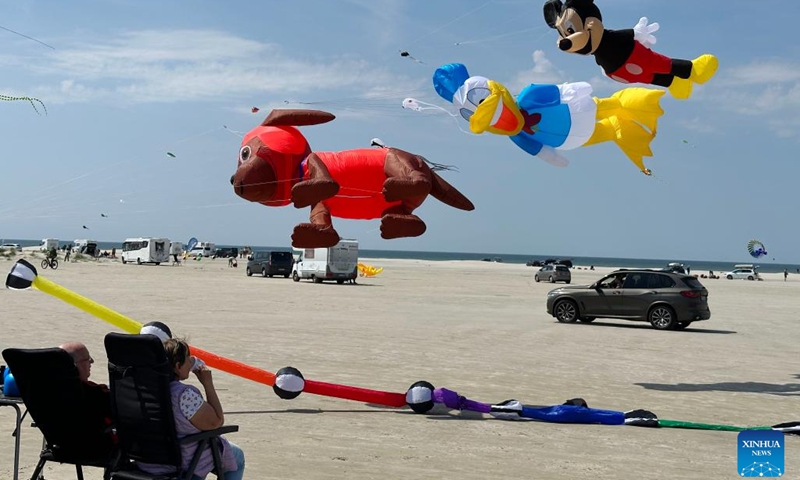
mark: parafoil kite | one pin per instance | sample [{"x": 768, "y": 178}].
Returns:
[
  {"x": 624, "y": 55},
  {"x": 254, "y": 110},
  {"x": 170, "y": 154},
  {"x": 421, "y": 397},
  {"x": 756, "y": 249},
  {"x": 365, "y": 270},
  {"x": 276, "y": 167},
  {"x": 7, "y": 98},
  {"x": 546, "y": 118}
]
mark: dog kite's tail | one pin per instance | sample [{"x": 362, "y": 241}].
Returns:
[{"x": 448, "y": 194}]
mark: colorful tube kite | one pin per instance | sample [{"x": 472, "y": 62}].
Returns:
[{"x": 545, "y": 119}]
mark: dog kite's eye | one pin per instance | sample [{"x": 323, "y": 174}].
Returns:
[
  {"x": 244, "y": 153},
  {"x": 569, "y": 27},
  {"x": 570, "y": 31}
]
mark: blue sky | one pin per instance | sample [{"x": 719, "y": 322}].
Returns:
[{"x": 131, "y": 80}]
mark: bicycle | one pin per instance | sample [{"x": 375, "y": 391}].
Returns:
[{"x": 52, "y": 263}]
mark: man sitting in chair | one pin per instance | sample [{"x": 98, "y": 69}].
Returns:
[{"x": 97, "y": 396}]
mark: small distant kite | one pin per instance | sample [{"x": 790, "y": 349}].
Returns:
[
  {"x": 365, "y": 270},
  {"x": 85, "y": 227},
  {"x": 7, "y": 98},
  {"x": 756, "y": 249},
  {"x": 170, "y": 154},
  {"x": 254, "y": 110},
  {"x": 404, "y": 53},
  {"x": 104, "y": 215}
]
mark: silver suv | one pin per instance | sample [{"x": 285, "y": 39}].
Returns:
[
  {"x": 553, "y": 274},
  {"x": 668, "y": 300}
]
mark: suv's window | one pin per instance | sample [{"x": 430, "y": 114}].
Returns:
[
  {"x": 562, "y": 268},
  {"x": 636, "y": 280},
  {"x": 281, "y": 257},
  {"x": 660, "y": 281},
  {"x": 693, "y": 283},
  {"x": 261, "y": 255}
]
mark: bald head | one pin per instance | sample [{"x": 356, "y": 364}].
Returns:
[{"x": 80, "y": 355}]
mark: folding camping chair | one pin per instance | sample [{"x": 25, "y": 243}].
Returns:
[
  {"x": 139, "y": 376},
  {"x": 73, "y": 432}
]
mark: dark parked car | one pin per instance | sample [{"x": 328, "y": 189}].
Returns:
[
  {"x": 270, "y": 263},
  {"x": 668, "y": 300},
  {"x": 227, "y": 252}
]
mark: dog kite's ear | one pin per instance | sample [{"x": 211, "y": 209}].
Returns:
[
  {"x": 552, "y": 10},
  {"x": 296, "y": 118}
]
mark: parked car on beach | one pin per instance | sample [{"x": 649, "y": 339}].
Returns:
[
  {"x": 11, "y": 246},
  {"x": 668, "y": 300},
  {"x": 553, "y": 274},
  {"x": 747, "y": 272},
  {"x": 270, "y": 263}
]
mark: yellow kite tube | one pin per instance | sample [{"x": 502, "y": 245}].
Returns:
[{"x": 132, "y": 326}]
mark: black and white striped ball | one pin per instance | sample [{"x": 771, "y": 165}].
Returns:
[
  {"x": 289, "y": 383},
  {"x": 420, "y": 397}
]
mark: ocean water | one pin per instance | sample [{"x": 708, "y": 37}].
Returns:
[{"x": 697, "y": 266}]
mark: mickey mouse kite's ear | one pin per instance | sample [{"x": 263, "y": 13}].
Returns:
[{"x": 552, "y": 10}]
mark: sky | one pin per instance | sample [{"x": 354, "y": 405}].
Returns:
[{"x": 129, "y": 80}]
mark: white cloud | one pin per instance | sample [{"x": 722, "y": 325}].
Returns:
[
  {"x": 170, "y": 65},
  {"x": 543, "y": 71},
  {"x": 769, "y": 89}
]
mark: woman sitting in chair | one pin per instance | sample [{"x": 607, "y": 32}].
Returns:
[{"x": 193, "y": 414}]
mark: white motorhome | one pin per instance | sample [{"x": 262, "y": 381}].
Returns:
[
  {"x": 145, "y": 250},
  {"x": 48, "y": 243},
  {"x": 339, "y": 262},
  {"x": 176, "y": 248}
]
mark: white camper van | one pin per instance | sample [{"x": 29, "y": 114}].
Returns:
[
  {"x": 85, "y": 246},
  {"x": 203, "y": 249},
  {"x": 48, "y": 243},
  {"x": 339, "y": 262},
  {"x": 145, "y": 250}
]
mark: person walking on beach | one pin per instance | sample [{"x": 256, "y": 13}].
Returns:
[
  {"x": 66, "y": 255},
  {"x": 785, "y": 274}
]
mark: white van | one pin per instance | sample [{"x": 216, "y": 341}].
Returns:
[
  {"x": 145, "y": 250},
  {"x": 339, "y": 262},
  {"x": 203, "y": 249},
  {"x": 48, "y": 243},
  {"x": 86, "y": 247}
]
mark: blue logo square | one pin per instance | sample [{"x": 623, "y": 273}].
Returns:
[{"x": 761, "y": 453}]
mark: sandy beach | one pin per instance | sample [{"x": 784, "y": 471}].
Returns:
[{"x": 475, "y": 327}]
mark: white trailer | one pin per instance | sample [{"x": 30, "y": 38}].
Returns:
[
  {"x": 339, "y": 262},
  {"x": 48, "y": 243},
  {"x": 145, "y": 250}
]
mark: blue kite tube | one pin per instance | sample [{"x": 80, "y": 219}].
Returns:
[{"x": 573, "y": 414}]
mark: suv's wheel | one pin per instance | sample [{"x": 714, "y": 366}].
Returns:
[
  {"x": 566, "y": 311},
  {"x": 536, "y": 278},
  {"x": 749, "y": 277},
  {"x": 138, "y": 261},
  {"x": 567, "y": 281},
  {"x": 550, "y": 279},
  {"x": 249, "y": 272},
  {"x": 729, "y": 277},
  {"x": 662, "y": 317},
  {"x": 586, "y": 319},
  {"x": 681, "y": 325},
  {"x": 263, "y": 272},
  {"x": 295, "y": 277}
]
